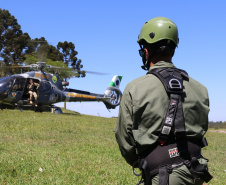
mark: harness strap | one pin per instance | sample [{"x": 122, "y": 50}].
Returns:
[
  {"x": 203, "y": 142},
  {"x": 164, "y": 175},
  {"x": 163, "y": 159},
  {"x": 146, "y": 177},
  {"x": 179, "y": 119},
  {"x": 172, "y": 80},
  {"x": 197, "y": 170}
]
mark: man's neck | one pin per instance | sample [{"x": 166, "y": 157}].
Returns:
[{"x": 157, "y": 59}]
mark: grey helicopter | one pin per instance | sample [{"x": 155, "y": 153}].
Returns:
[{"x": 51, "y": 90}]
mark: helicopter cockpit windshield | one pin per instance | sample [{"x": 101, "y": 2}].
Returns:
[
  {"x": 19, "y": 84},
  {"x": 5, "y": 86}
]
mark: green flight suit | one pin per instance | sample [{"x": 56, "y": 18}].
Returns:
[{"x": 142, "y": 110}]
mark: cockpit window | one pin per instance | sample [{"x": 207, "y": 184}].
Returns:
[
  {"x": 6, "y": 84},
  {"x": 3, "y": 78},
  {"x": 19, "y": 84},
  {"x": 6, "y": 79}
]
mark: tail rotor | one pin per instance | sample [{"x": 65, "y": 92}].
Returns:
[{"x": 113, "y": 94}]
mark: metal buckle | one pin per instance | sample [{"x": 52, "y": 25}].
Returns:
[
  {"x": 187, "y": 163},
  {"x": 169, "y": 169},
  {"x": 166, "y": 130},
  {"x": 175, "y": 84}
]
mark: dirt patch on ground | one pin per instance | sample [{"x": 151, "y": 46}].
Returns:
[{"x": 219, "y": 131}]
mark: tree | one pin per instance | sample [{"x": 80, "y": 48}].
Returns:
[
  {"x": 34, "y": 44},
  {"x": 54, "y": 54},
  {"x": 69, "y": 57},
  {"x": 13, "y": 42}
]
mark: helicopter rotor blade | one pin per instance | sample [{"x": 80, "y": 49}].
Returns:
[
  {"x": 20, "y": 66},
  {"x": 53, "y": 67},
  {"x": 95, "y": 73},
  {"x": 41, "y": 65},
  {"x": 81, "y": 71}
]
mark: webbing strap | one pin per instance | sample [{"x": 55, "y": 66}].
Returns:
[
  {"x": 172, "y": 80},
  {"x": 163, "y": 176},
  {"x": 170, "y": 114},
  {"x": 179, "y": 123}
]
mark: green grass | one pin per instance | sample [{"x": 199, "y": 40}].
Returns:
[
  {"x": 70, "y": 148},
  {"x": 216, "y": 153},
  {"x": 74, "y": 149}
]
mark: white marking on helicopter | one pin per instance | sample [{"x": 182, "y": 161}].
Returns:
[{"x": 24, "y": 75}]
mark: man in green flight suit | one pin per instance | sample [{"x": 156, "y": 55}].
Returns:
[{"x": 161, "y": 123}]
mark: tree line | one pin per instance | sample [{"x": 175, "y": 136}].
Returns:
[
  {"x": 217, "y": 124},
  {"x": 17, "y": 48}
]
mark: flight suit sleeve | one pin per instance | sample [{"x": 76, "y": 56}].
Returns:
[
  {"x": 123, "y": 129},
  {"x": 37, "y": 86}
]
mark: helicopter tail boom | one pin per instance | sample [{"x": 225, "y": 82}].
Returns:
[{"x": 111, "y": 97}]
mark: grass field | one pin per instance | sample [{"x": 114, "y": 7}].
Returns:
[{"x": 45, "y": 148}]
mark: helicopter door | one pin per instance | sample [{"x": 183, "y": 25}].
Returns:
[
  {"x": 18, "y": 89},
  {"x": 44, "y": 92}
]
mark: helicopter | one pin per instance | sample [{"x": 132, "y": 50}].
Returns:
[{"x": 14, "y": 90}]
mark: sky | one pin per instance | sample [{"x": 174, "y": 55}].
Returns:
[{"x": 105, "y": 35}]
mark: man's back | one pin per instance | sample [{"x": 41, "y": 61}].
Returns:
[
  {"x": 143, "y": 109},
  {"x": 163, "y": 115}
]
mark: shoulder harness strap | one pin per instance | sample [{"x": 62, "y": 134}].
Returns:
[{"x": 172, "y": 80}]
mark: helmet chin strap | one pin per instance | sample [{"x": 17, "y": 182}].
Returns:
[{"x": 145, "y": 61}]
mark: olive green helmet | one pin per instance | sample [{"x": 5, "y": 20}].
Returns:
[{"x": 157, "y": 29}]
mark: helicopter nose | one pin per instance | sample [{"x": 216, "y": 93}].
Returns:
[{"x": 3, "y": 93}]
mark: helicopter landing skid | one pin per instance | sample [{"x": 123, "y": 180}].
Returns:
[
  {"x": 56, "y": 110},
  {"x": 20, "y": 108}
]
